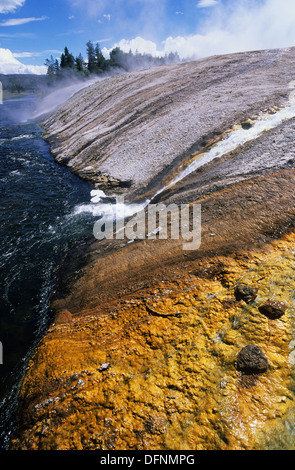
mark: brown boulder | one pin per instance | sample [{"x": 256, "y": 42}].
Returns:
[
  {"x": 273, "y": 309},
  {"x": 63, "y": 317},
  {"x": 251, "y": 360},
  {"x": 246, "y": 293}
]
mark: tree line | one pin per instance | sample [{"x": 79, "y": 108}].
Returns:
[{"x": 96, "y": 63}]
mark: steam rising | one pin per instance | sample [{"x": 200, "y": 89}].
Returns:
[{"x": 58, "y": 96}]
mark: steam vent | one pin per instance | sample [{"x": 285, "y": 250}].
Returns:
[{"x": 154, "y": 346}]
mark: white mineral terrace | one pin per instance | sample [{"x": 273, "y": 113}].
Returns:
[
  {"x": 239, "y": 136},
  {"x": 233, "y": 139}
]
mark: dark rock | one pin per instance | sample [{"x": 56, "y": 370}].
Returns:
[
  {"x": 273, "y": 309},
  {"x": 246, "y": 293},
  {"x": 246, "y": 125},
  {"x": 251, "y": 360}
]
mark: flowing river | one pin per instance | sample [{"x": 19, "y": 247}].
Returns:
[{"x": 39, "y": 222}]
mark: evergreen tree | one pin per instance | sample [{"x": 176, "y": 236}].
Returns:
[
  {"x": 117, "y": 57},
  {"x": 52, "y": 67},
  {"x": 100, "y": 61},
  {"x": 91, "y": 57},
  {"x": 172, "y": 58},
  {"x": 79, "y": 63},
  {"x": 67, "y": 60},
  {"x": 63, "y": 62},
  {"x": 97, "y": 63}
]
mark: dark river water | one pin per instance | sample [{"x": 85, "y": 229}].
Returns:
[{"x": 40, "y": 221}]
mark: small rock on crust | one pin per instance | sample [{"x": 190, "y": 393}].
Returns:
[
  {"x": 105, "y": 366},
  {"x": 251, "y": 360},
  {"x": 63, "y": 317},
  {"x": 273, "y": 309},
  {"x": 246, "y": 293}
]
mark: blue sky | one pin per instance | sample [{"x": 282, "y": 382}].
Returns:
[{"x": 31, "y": 30}]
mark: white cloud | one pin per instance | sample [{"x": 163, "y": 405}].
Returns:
[
  {"x": 106, "y": 52},
  {"x": 246, "y": 25},
  {"x": 20, "y": 55},
  {"x": 207, "y": 3},
  {"x": 108, "y": 17},
  {"x": 9, "y": 6},
  {"x": 10, "y": 65},
  {"x": 243, "y": 26},
  {"x": 99, "y": 41},
  {"x": 20, "y": 21},
  {"x": 197, "y": 46},
  {"x": 140, "y": 45}
]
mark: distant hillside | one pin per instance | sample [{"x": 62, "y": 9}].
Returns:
[{"x": 19, "y": 84}]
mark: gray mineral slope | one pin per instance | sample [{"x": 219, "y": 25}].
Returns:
[{"x": 133, "y": 129}]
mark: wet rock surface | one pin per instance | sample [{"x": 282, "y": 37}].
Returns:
[
  {"x": 168, "y": 325},
  {"x": 252, "y": 360},
  {"x": 246, "y": 293},
  {"x": 273, "y": 309}
]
